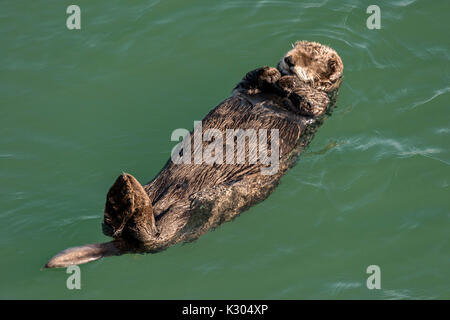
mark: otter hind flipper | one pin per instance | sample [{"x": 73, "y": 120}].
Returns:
[{"x": 129, "y": 211}]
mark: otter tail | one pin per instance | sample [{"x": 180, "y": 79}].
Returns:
[{"x": 83, "y": 254}]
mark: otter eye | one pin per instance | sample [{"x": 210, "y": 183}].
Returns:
[{"x": 289, "y": 61}]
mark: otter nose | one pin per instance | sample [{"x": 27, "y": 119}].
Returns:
[{"x": 289, "y": 61}]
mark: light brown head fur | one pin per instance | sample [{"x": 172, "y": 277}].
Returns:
[{"x": 313, "y": 63}]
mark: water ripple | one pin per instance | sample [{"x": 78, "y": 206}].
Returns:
[
  {"x": 436, "y": 94},
  {"x": 340, "y": 286},
  {"x": 386, "y": 147}
]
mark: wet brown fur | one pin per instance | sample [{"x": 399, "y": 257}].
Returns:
[
  {"x": 187, "y": 200},
  {"x": 184, "y": 201}
]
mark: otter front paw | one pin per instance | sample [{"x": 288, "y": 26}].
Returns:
[
  {"x": 289, "y": 83},
  {"x": 269, "y": 75},
  {"x": 259, "y": 80}
]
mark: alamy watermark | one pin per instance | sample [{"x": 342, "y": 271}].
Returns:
[
  {"x": 251, "y": 146},
  {"x": 374, "y": 280},
  {"x": 74, "y": 280},
  {"x": 374, "y": 20},
  {"x": 73, "y": 21}
]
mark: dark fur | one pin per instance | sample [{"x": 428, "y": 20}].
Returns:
[
  {"x": 184, "y": 201},
  {"x": 187, "y": 200}
]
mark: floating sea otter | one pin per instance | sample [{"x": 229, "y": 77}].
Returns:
[{"x": 187, "y": 199}]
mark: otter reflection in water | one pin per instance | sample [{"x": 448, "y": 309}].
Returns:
[{"x": 188, "y": 198}]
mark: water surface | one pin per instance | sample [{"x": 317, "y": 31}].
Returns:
[{"x": 79, "y": 107}]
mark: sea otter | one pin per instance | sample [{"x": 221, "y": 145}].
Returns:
[{"x": 187, "y": 199}]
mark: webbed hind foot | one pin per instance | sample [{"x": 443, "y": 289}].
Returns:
[{"x": 128, "y": 211}]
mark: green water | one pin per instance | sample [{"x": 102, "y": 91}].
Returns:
[{"x": 79, "y": 107}]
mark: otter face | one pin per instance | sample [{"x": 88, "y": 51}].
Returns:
[{"x": 313, "y": 63}]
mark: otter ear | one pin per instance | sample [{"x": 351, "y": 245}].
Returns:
[
  {"x": 128, "y": 210},
  {"x": 334, "y": 69},
  {"x": 332, "y": 65}
]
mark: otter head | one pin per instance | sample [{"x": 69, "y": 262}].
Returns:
[{"x": 313, "y": 63}]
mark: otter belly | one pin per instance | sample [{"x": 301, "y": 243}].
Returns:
[{"x": 190, "y": 199}]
